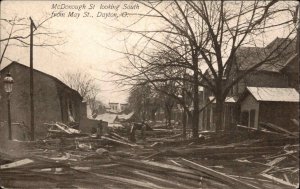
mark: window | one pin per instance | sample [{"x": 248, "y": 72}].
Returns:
[{"x": 244, "y": 118}]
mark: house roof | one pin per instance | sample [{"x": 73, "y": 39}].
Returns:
[
  {"x": 50, "y": 76},
  {"x": 274, "y": 94},
  {"x": 108, "y": 117},
  {"x": 228, "y": 99},
  {"x": 246, "y": 57},
  {"x": 126, "y": 116}
]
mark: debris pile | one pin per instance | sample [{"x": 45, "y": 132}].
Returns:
[{"x": 164, "y": 160}]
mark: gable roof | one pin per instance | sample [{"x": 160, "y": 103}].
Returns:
[
  {"x": 247, "y": 57},
  {"x": 13, "y": 63},
  {"x": 291, "y": 64},
  {"x": 274, "y": 94}
]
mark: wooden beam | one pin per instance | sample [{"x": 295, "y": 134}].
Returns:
[
  {"x": 216, "y": 174},
  {"x": 16, "y": 164},
  {"x": 142, "y": 184},
  {"x": 277, "y": 128},
  {"x": 278, "y": 180},
  {"x": 119, "y": 142}
]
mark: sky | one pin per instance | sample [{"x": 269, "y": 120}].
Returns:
[{"x": 89, "y": 40}]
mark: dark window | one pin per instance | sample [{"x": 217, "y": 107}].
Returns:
[{"x": 252, "y": 118}]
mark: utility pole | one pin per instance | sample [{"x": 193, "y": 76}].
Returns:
[
  {"x": 298, "y": 30},
  {"x": 31, "y": 81}
]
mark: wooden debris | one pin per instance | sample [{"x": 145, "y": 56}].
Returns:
[
  {"x": 152, "y": 155},
  {"x": 16, "y": 164},
  {"x": 119, "y": 142},
  {"x": 119, "y": 137},
  {"x": 153, "y": 166},
  {"x": 142, "y": 184},
  {"x": 156, "y": 179},
  {"x": 62, "y": 127},
  {"x": 104, "y": 160},
  {"x": 277, "y": 128},
  {"x": 216, "y": 174},
  {"x": 278, "y": 180}
]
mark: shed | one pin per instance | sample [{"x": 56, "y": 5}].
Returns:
[{"x": 272, "y": 105}]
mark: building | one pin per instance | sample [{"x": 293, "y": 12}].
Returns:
[
  {"x": 291, "y": 71},
  {"x": 53, "y": 100},
  {"x": 279, "y": 72},
  {"x": 114, "y": 107},
  {"x": 269, "y": 74},
  {"x": 270, "y": 105},
  {"x": 123, "y": 106}
]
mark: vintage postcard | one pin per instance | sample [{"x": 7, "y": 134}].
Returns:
[{"x": 149, "y": 94}]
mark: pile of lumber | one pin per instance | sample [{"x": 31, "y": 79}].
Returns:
[
  {"x": 283, "y": 166},
  {"x": 165, "y": 161},
  {"x": 58, "y": 129},
  {"x": 114, "y": 171}
]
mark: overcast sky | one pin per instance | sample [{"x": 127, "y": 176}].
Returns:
[{"x": 87, "y": 39}]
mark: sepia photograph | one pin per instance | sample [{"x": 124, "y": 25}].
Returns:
[{"x": 149, "y": 94}]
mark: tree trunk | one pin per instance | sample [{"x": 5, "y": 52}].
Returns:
[
  {"x": 153, "y": 117},
  {"x": 169, "y": 119},
  {"x": 184, "y": 124},
  {"x": 169, "y": 116},
  {"x": 219, "y": 113},
  {"x": 168, "y": 112},
  {"x": 195, "y": 119}
]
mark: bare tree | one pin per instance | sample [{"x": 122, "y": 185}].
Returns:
[
  {"x": 85, "y": 84},
  {"x": 15, "y": 32},
  {"x": 194, "y": 35}
]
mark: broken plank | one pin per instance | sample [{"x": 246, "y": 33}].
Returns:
[
  {"x": 217, "y": 174},
  {"x": 152, "y": 155},
  {"x": 286, "y": 177},
  {"x": 174, "y": 162},
  {"x": 166, "y": 166},
  {"x": 158, "y": 167},
  {"x": 142, "y": 184},
  {"x": 16, "y": 164},
  {"x": 250, "y": 178},
  {"x": 120, "y": 137},
  {"x": 277, "y": 128},
  {"x": 278, "y": 180},
  {"x": 275, "y": 161},
  {"x": 119, "y": 142},
  {"x": 164, "y": 182}
]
